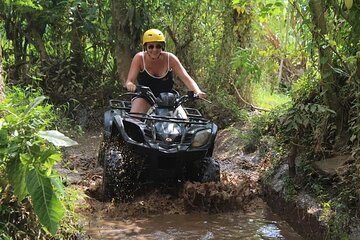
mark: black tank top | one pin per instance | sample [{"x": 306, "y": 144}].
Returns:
[{"x": 156, "y": 84}]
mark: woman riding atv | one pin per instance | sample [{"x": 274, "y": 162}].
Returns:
[{"x": 154, "y": 68}]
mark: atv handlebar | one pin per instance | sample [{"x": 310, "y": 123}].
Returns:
[
  {"x": 191, "y": 96},
  {"x": 145, "y": 92}
]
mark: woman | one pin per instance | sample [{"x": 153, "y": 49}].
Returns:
[{"x": 154, "y": 68}]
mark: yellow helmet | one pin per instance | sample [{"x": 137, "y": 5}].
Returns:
[{"x": 153, "y": 35}]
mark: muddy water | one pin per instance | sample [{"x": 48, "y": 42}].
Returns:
[
  {"x": 158, "y": 216},
  {"x": 260, "y": 223}
]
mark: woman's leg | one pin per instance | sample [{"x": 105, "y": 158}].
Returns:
[{"x": 139, "y": 105}]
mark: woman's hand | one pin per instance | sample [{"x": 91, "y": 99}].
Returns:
[
  {"x": 201, "y": 94},
  {"x": 131, "y": 87}
]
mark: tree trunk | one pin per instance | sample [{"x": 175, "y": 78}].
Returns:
[
  {"x": 328, "y": 84},
  {"x": 15, "y": 34},
  {"x": 2, "y": 84},
  {"x": 77, "y": 48},
  {"x": 222, "y": 70},
  {"x": 292, "y": 157},
  {"x": 121, "y": 40},
  {"x": 240, "y": 26},
  {"x": 34, "y": 33},
  {"x": 39, "y": 45}
]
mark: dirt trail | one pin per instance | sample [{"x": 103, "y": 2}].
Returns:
[{"x": 238, "y": 188}]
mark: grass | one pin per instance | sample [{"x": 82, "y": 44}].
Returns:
[{"x": 265, "y": 98}]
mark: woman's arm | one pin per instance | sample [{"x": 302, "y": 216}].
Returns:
[{"x": 134, "y": 70}]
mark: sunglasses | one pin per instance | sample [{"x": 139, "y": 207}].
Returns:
[{"x": 158, "y": 46}]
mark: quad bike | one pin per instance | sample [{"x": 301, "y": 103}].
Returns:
[{"x": 169, "y": 143}]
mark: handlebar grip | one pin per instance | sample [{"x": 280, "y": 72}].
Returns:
[{"x": 191, "y": 94}]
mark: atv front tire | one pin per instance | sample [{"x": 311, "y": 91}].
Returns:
[
  {"x": 101, "y": 154},
  {"x": 122, "y": 167},
  {"x": 205, "y": 170}
]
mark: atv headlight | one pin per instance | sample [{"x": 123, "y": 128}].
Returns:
[
  {"x": 164, "y": 128},
  {"x": 201, "y": 138}
]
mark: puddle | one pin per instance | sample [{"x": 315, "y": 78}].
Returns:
[{"x": 257, "y": 224}]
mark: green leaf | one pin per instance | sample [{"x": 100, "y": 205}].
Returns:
[
  {"x": 57, "y": 138},
  {"x": 46, "y": 205},
  {"x": 16, "y": 174},
  {"x": 3, "y": 144},
  {"x": 313, "y": 108},
  {"x": 299, "y": 120},
  {"x": 12, "y": 149},
  {"x": 34, "y": 103},
  {"x": 57, "y": 183},
  {"x": 46, "y": 154},
  {"x": 3, "y": 136},
  {"x": 306, "y": 122},
  {"x": 279, "y": 4},
  {"x": 24, "y": 3},
  {"x": 49, "y": 158},
  {"x": 321, "y": 108},
  {"x": 348, "y": 4},
  {"x": 26, "y": 159},
  {"x": 331, "y": 111}
]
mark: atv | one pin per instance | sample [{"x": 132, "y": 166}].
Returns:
[{"x": 169, "y": 143}]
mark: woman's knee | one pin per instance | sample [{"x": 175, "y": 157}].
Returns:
[{"x": 140, "y": 105}]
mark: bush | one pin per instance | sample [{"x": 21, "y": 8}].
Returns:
[{"x": 28, "y": 153}]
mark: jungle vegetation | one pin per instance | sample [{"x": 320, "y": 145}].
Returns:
[{"x": 297, "y": 62}]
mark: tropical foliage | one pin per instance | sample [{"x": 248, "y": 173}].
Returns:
[
  {"x": 28, "y": 155},
  {"x": 79, "y": 52}
]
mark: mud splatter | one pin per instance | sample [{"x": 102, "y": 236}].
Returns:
[{"x": 237, "y": 190}]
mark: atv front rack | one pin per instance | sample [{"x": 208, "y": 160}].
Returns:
[
  {"x": 189, "y": 120},
  {"x": 194, "y": 116},
  {"x": 120, "y": 104}
]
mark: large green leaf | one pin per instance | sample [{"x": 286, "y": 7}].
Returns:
[
  {"x": 34, "y": 103},
  {"x": 57, "y": 138},
  {"x": 16, "y": 174},
  {"x": 46, "y": 205}
]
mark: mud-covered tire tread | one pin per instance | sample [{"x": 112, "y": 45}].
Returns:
[
  {"x": 101, "y": 154},
  {"x": 121, "y": 170},
  {"x": 209, "y": 170},
  {"x": 205, "y": 170},
  {"x": 107, "y": 140}
]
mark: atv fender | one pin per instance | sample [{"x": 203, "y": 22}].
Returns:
[
  {"x": 108, "y": 122},
  {"x": 214, "y": 131},
  {"x": 111, "y": 118}
]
